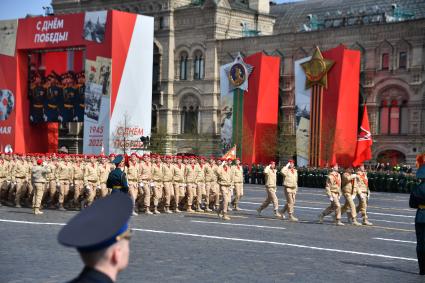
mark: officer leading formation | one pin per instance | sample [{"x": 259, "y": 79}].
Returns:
[{"x": 169, "y": 184}]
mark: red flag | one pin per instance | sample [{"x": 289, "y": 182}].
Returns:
[
  {"x": 364, "y": 141},
  {"x": 231, "y": 154}
]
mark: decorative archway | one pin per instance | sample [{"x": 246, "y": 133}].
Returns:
[{"x": 391, "y": 156}]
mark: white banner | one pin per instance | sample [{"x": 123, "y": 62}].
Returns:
[
  {"x": 131, "y": 114},
  {"x": 302, "y": 114},
  {"x": 96, "y": 120}
]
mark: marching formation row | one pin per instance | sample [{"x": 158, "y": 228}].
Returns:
[{"x": 164, "y": 183}]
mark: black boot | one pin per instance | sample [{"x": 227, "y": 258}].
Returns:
[{"x": 421, "y": 262}]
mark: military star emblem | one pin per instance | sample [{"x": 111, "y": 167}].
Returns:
[
  {"x": 238, "y": 73},
  {"x": 316, "y": 70}
]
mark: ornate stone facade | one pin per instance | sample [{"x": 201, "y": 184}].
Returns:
[{"x": 193, "y": 38}]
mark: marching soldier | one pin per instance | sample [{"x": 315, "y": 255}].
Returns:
[
  {"x": 133, "y": 178},
  {"x": 237, "y": 172},
  {"x": 333, "y": 190},
  {"x": 290, "y": 184},
  {"x": 191, "y": 172},
  {"x": 39, "y": 179},
  {"x": 3, "y": 177},
  {"x": 349, "y": 190},
  {"x": 200, "y": 184},
  {"x": 362, "y": 193},
  {"x": 104, "y": 170},
  {"x": 29, "y": 186},
  {"x": 178, "y": 170},
  {"x": 91, "y": 182},
  {"x": 167, "y": 173},
  {"x": 210, "y": 183},
  {"x": 64, "y": 173},
  {"x": 145, "y": 182},
  {"x": 19, "y": 179},
  {"x": 157, "y": 176},
  {"x": 78, "y": 175},
  {"x": 224, "y": 174},
  {"x": 270, "y": 182}
]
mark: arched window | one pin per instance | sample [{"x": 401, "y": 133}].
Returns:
[
  {"x": 183, "y": 66},
  {"x": 394, "y": 120},
  {"x": 198, "y": 66},
  {"x": 385, "y": 61},
  {"x": 393, "y": 113},
  {"x": 189, "y": 115},
  {"x": 383, "y": 118}
]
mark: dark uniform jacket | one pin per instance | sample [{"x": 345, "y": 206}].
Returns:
[
  {"x": 117, "y": 179},
  {"x": 90, "y": 275},
  {"x": 417, "y": 199}
]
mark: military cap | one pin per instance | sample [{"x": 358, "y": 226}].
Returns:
[
  {"x": 118, "y": 159},
  {"x": 98, "y": 226}
]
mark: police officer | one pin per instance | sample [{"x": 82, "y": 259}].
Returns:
[
  {"x": 101, "y": 235},
  {"x": 117, "y": 179},
  {"x": 417, "y": 200}
]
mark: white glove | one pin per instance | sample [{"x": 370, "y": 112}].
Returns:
[
  {"x": 353, "y": 197},
  {"x": 287, "y": 165},
  {"x": 98, "y": 188},
  {"x": 331, "y": 198},
  {"x": 75, "y": 119},
  {"x": 141, "y": 185},
  {"x": 31, "y": 118},
  {"x": 44, "y": 117},
  {"x": 362, "y": 195},
  {"x": 44, "y": 163},
  {"x": 8, "y": 181},
  {"x": 152, "y": 184},
  {"x": 353, "y": 175},
  {"x": 60, "y": 118}
]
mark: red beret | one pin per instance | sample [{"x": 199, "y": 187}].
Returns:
[{"x": 39, "y": 161}]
